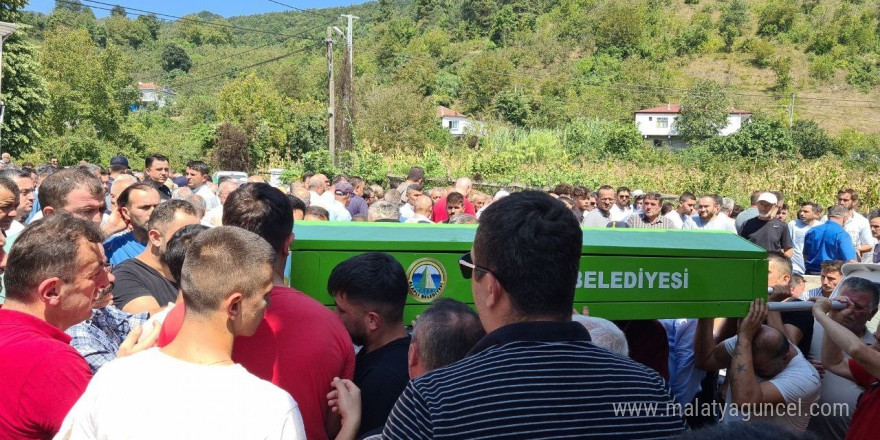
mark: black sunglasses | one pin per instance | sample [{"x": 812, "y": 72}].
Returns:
[{"x": 467, "y": 266}]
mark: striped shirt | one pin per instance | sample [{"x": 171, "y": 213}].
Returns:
[
  {"x": 535, "y": 380},
  {"x": 640, "y": 221}
]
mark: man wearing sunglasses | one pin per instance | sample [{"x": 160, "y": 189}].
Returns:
[{"x": 535, "y": 374}]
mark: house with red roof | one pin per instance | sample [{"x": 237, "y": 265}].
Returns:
[
  {"x": 154, "y": 94},
  {"x": 453, "y": 121},
  {"x": 657, "y": 124}
]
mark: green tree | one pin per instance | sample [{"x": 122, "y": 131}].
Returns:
[
  {"x": 483, "y": 78},
  {"x": 732, "y": 23},
  {"x": 503, "y": 26},
  {"x": 777, "y": 16},
  {"x": 514, "y": 107},
  {"x": 231, "y": 150},
  {"x": 478, "y": 14},
  {"x": 24, "y": 91},
  {"x": 704, "y": 111},
  {"x": 203, "y": 28},
  {"x": 88, "y": 87},
  {"x": 782, "y": 68},
  {"x": 620, "y": 25},
  {"x": 253, "y": 105},
  {"x": 121, "y": 31},
  {"x": 759, "y": 139},
  {"x": 393, "y": 117},
  {"x": 117, "y": 11},
  {"x": 175, "y": 57},
  {"x": 151, "y": 22},
  {"x": 810, "y": 140}
]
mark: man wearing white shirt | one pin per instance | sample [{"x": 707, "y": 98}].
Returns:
[
  {"x": 226, "y": 282},
  {"x": 197, "y": 173},
  {"x": 621, "y": 209},
  {"x": 708, "y": 218},
  {"x": 808, "y": 217},
  {"x": 857, "y": 226},
  {"x": 407, "y": 211},
  {"x": 681, "y": 217},
  {"x": 319, "y": 191},
  {"x": 422, "y": 208}
]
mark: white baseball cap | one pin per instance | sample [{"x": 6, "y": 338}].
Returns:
[{"x": 768, "y": 197}]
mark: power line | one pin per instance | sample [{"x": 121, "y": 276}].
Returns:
[
  {"x": 308, "y": 11},
  {"x": 174, "y": 17},
  {"x": 270, "y": 60}
]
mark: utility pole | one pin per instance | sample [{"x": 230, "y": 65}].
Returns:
[
  {"x": 349, "y": 41},
  {"x": 791, "y": 112},
  {"x": 331, "y": 109}
]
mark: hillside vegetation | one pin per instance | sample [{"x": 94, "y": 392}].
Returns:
[{"x": 555, "y": 81}]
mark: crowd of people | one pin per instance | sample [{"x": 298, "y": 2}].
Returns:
[{"x": 146, "y": 304}]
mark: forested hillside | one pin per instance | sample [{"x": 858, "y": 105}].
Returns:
[{"x": 555, "y": 81}]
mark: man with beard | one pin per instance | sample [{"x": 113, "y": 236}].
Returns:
[
  {"x": 766, "y": 230},
  {"x": 157, "y": 170},
  {"x": 144, "y": 283},
  {"x": 599, "y": 217},
  {"x": 135, "y": 204},
  {"x": 709, "y": 219}
]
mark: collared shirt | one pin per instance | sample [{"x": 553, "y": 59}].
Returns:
[
  {"x": 164, "y": 191},
  {"x": 534, "y": 380},
  {"x": 716, "y": 224},
  {"x": 42, "y": 375},
  {"x": 98, "y": 339},
  {"x": 827, "y": 242},
  {"x": 642, "y": 222},
  {"x": 211, "y": 199}
]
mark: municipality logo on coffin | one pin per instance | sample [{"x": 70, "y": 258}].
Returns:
[{"x": 427, "y": 279}]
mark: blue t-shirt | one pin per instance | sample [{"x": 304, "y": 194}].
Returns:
[
  {"x": 827, "y": 242},
  {"x": 122, "y": 247}
]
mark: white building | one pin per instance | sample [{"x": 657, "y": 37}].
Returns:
[
  {"x": 453, "y": 121},
  {"x": 658, "y": 124},
  {"x": 153, "y": 94}
]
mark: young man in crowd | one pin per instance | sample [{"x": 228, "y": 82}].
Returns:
[
  {"x": 197, "y": 176},
  {"x": 226, "y": 282},
  {"x": 370, "y": 291},
  {"x": 300, "y": 345},
  {"x": 135, "y": 204}
]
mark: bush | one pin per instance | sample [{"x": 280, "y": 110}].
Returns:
[
  {"x": 863, "y": 73},
  {"x": 758, "y": 139},
  {"x": 822, "y": 67},
  {"x": 810, "y": 140},
  {"x": 762, "y": 52}
]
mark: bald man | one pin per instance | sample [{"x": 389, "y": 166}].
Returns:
[
  {"x": 463, "y": 186},
  {"x": 422, "y": 208}
]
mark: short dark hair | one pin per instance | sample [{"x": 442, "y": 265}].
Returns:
[
  {"x": 197, "y": 165},
  {"x": 654, "y": 196},
  {"x": 296, "y": 204},
  {"x": 814, "y": 206},
  {"x": 15, "y": 173},
  {"x": 221, "y": 261},
  {"x": 46, "y": 248},
  {"x": 373, "y": 279},
  {"x": 621, "y": 189},
  {"x": 445, "y": 332},
  {"x": 862, "y": 285},
  {"x": 261, "y": 209},
  {"x": 55, "y": 189},
  {"x": 125, "y": 195},
  {"x": 580, "y": 192},
  {"x": 9, "y": 185},
  {"x": 563, "y": 189},
  {"x": 873, "y": 214},
  {"x": 317, "y": 211},
  {"x": 148, "y": 162},
  {"x": 716, "y": 199},
  {"x": 454, "y": 198},
  {"x": 175, "y": 249},
  {"x": 604, "y": 188},
  {"x": 117, "y": 168},
  {"x": 852, "y": 193},
  {"x": 832, "y": 266},
  {"x": 164, "y": 213},
  {"x": 778, "y": 258},
  {"x": 687, "y": 195},
  {"x": 355, "y": 181},
  {"x": 416, "y": 173},
  {"x": 532, "y": 244}
]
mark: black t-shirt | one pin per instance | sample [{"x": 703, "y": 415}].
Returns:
[
  {"x": 381, "y": 375},
  {"x": 803, "y": 320},
  {"x": 135, "y": 279},
  {"x": 769, "y": 234}
]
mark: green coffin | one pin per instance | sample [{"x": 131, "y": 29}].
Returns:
[{"x": 625, "y": 273}]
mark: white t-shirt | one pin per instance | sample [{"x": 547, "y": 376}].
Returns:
[
  {"x": 799, "y": 385},
  {"x": 619, "y": 214},
  {"x": 211, "y": 199},
  {"x": 716, "y": 224},
  {"x": 798, "y": 231},
  {"x": 681, "y": 221},
  {"x": 151, "y": 395}
]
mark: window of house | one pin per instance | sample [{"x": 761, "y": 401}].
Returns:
[
  {"x": 662, "y": 122},
  {"x": 650, "y": 118},
  {"x": 453, "y": 125}
]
